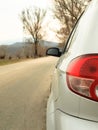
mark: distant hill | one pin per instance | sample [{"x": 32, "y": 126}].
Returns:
[{"x": 48, "y": 43}]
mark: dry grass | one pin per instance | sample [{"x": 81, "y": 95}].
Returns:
[{"x": 6, "y": 61}]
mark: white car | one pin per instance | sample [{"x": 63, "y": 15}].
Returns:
[{"x": 73, "y": 102}]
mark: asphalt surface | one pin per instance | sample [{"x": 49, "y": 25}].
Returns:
[{"x": 24, "y": 88}]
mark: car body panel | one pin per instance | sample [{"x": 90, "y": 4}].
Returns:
[
  {"x": 58, "y": 120},
  {"x": 50, "y": 122},
  {"x": 67, "y": 122}
]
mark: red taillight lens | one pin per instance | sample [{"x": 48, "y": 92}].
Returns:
[{"x": 82, "y": 76}]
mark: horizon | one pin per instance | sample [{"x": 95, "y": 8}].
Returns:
[{"x": 17, "y": 41}]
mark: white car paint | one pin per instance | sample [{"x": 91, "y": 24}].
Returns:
[{"x": 67, "y": 110}]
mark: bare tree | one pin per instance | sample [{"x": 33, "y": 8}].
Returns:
[
  {"x": 32, "y": 20},
  {"x": 67, "y": 12}
]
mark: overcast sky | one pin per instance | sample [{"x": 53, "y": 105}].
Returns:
[{"x": 10, "y": 24}]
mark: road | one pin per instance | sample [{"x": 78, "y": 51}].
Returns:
[{"x": 24, "y": 88}]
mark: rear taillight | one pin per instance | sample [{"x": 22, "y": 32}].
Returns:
[{"x": 82, "y": 76}]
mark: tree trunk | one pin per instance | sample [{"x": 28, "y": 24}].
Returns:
[{"x": 36, "y": 53}]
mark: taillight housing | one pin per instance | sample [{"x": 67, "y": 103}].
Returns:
[{"x": 82, "y": 76}]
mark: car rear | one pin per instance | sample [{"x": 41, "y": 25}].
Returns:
[{"x": 73, "y": 103}]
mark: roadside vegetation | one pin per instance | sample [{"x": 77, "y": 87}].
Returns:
[{"x": 12, "y": 54}]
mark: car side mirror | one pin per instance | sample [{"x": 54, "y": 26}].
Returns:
[{"x": 54, "y": 52}]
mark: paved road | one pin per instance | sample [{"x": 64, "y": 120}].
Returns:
[{"x": 23, "y": 92}]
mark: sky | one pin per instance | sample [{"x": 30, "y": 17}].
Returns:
[{"x": 10, "y": 23}]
